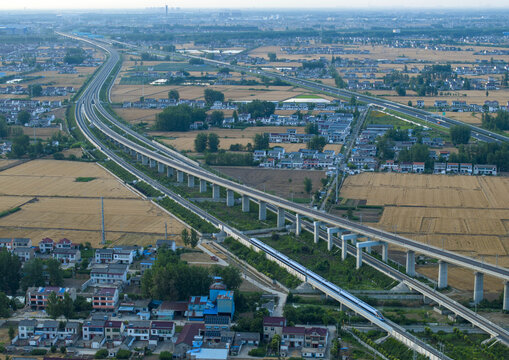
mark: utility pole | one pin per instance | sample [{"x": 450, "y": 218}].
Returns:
[{"x": 103, "y": 240}]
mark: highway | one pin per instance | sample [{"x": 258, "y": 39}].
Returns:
[
  {"x": 84, "y": 110},
  {"x": 86, "y": 105},
  {"x": 168, "y": 157}
]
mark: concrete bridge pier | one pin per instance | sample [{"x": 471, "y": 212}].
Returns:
[
  {"x": 298, "y": 224},
  {"x": 316, "y": 232},
  {"x": 410, "y": 263},
  {"x": 190, "y": 181},
  {"x": 144, "y": 160},
  {"x": 169, "y": 171},
  {"x": 153, "y": 163},
  {"x": 280, "y": 217},
  {"x": 160, "y": 168},
  {"x": 139, "y": 157},
  {"x": 505, "y": 304},
  {"x": 358, "y": 262},
  {"x": 245, "y": 203},
  {"x": 203, "y": 186},
  {"x": 442, "y": 274},
  {"x": 262, "y": 211},
  {"x": 180, "y": 176},
  {"x": 344, "y": 244},
  {"x": 132, "y": 152},
  {"x": 478, "y": 287},
  {"x": 330, "y": 237},
  {"x": 385, "y": 252},
  {"x": 215, "y": 192},
  {"x": 229, "y": 198}
]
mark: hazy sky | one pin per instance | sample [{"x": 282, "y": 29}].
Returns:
[{"x": 123, "y": 4}]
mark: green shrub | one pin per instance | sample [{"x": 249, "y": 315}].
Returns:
[
  {"x": 123, "y": 354},
  {"x": 40, "y": 352},
  {"x": 165, "y": 355},
  {"x": 101, "y": 354}
]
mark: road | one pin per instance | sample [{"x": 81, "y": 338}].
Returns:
[
  {"x": 179, "y": 162},
  {"x": 85, "y": 111}
]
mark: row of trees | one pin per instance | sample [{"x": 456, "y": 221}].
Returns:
[
  {"x": 499, "y": 122},
  {"x": 178, "y": 118},
  {"x": 66, "y": 307},
  {"x": 173, "y": 279},
  {"x": 204, "y": 142}
]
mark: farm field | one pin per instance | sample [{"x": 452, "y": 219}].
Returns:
[
  {"x": 53, "y": 78},
  {"x": 185, "y": 140},
  {"x": 279, "y": 182},
  {"x": 41, "y": 133},
  {"x": 465, "y": 214},
  {"x": 470, "y": 96},
  {"x": 56, "y": 205},
  {"x": 121, "y": 93},
  {"x": 383, "y": 52}
]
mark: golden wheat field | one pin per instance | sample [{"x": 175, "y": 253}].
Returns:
[
  {"x": 54, "y": 205},
  {"x": 466, "y": 214},
  {"x": 185, "y": 140}
]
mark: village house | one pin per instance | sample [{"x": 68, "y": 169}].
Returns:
[
  {"x": 272, "y": 326},
  {"x": 105, "y": 299},
  {"x": 24, "y": 253},
  {"x": 37, "y": 297},
  {"x": 67, "y": 256},
  {"x": 162, "y": 330},
  {"x": 186, "y": 339},
  {"x": 109, "y": 274},
  {"x": 169, "y": 310},
  {"x": 139, "y": 329},
  {"x": 485, "y": 169},
  {"x": 114, "y": 330},
  {"x": 46, "y": 245}
]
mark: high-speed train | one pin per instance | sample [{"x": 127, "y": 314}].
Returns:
[{"x": 311, "y": 275}]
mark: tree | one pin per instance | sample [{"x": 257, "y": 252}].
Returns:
[
  {"x": 216, "y": 118},
  {"x": 20, "y": 145},
  {"x": 231, "y": 276},
  {"x": 4, "y": 128},
  {"x": 317, "y": 142},
  {"x": 213, "y": 141},
  {"x": 5, "y": 306},
  {"x": 173, "y": 95},
  {"x": 12, "y": 333},
  {"x": 460, "y": 134},
  {"x": 10, "y": 272},
  {"x": 258, "y": 108},
  {"x": 75, "y": 56},
  {"x": 235, "y": 116},
  {"x": 311, "y": 128},
  {"x": 212, "y": 96},
  {"x": 165, "y": 355},
  {"x": 123, "y": 354},
  {"x": 23, "y": 117},
  {"x": 101, "y": 354},
  {"x": 66, "y": 306},
  {"x": 56, "y": 275},
  {"x": 308, "y": 185},
  {"x": 272, "y": 56},
  {"x": 35, "y": 90},
  {"x": 53, "y": 308},
  {"x": 275, "y": 343},
  {"x": 185, "y": 236},
  {"x": 193, "y": 241},
  {"x": 200, "y": 143},
  {"x": 261, "y": 142},
  {"x": 178, "y": 118},
  {"x": 33, "y": 274}
]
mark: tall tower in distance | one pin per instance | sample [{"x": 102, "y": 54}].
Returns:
[{"x": 166, "y": 10}]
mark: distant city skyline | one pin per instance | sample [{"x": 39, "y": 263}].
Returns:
[{"x": 359, "y": 4}]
